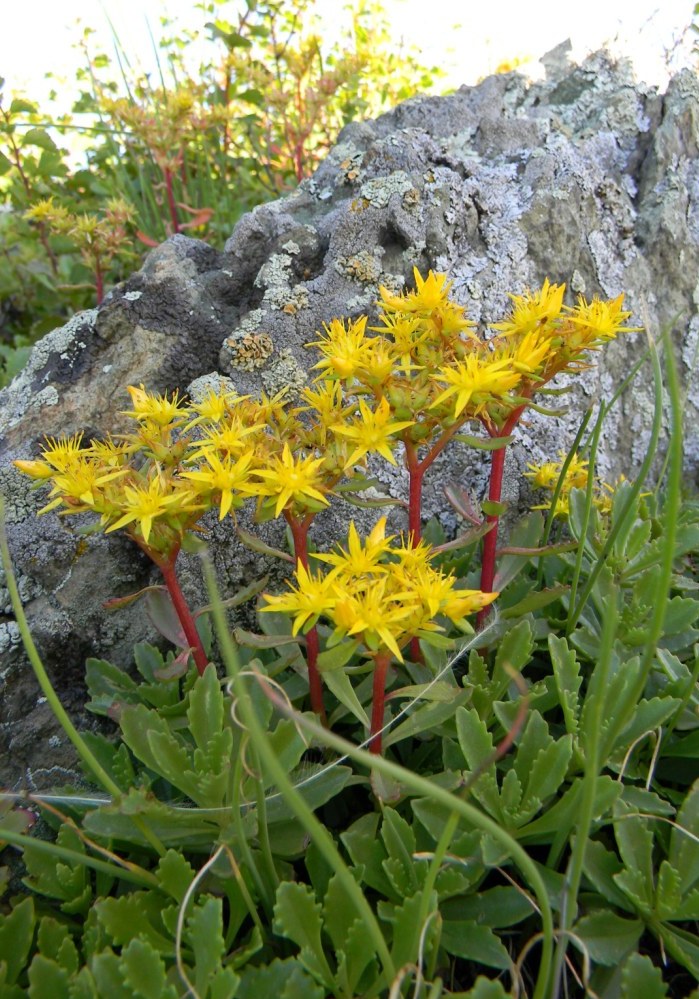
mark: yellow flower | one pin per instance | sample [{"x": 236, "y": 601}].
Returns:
[
  {"x": 533, "y": 310},
  {"x": 359, "y": 559},
  {"x": 372, "y": 431},
  {"x": 476, "y": 381},
  {"x": 156, "y": 409},
  {"x": 598, "y": 321},
  {"x": 527, "y": 354},
  {"x": 228, "y": 437},
  {"x": 213, "y": 407},
  {"x": 431, "y": 293},
  {"x": 345, "y": 348},
  {"x": 313, "y": 596},
  {"x": 144, "y": 505},
  {"x": 372, "y": 614},
  {"x": 229, "y": 479},
  {"x": 80, "y": 485},
  {"x": 292, "y": 480}
]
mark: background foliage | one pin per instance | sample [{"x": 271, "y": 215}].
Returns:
[{"x": 189, "y": 151}]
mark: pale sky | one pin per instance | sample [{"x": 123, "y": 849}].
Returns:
[{"x": 468, "y": 38}]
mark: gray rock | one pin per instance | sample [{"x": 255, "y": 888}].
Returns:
[{"x": 587, "y": 177}]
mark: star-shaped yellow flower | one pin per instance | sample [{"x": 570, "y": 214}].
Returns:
[
  {"x": 293, "y": 480},
  {"x": 372, "y": 431}
]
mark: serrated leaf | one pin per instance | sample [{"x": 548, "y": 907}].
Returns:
[
  {"x": 175, "y": 874},
  {"x": 407, "y": 927},
  {"x": 144, "y": 971},
  {"x": 205, "y": 935},
  {"x": 640, "y": 977},
  {"x": 601, "y": 868},
  {"x": 607, "y": 937},
  {"x": 55, "y": 942},
  {"x": 477, "y": 746},
  {"x": 205, "y": 712},
  {"x": 137, "y": 914},
  {"x": 58, "y": 879},
  {"x": 469, "y": 940},
  {"x": 566, "y": 673},
  {"x": 16, "y": 935},
  {"x": 667, "y": 891},
  {"x": 682, "y": 946},
  {"x": 683, "y": 853},
  {"x": 106, "y": 970},
  {"x": 47, "y": 980},
  {"x": 367, "y": 851},
  {"x": 281, "y": 979},
  {"x": 297, "y": 916},
  {"x": 399, "y": 841}
]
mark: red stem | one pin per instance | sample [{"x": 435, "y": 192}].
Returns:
[
  {"x": 183, "y": 612},
  {"x": 490, "y": 541},
  {"x": 381, "y": 664},
  {"x": 171, "y": 199},
  {"x": 99, "y": 282},
  {"x": 299, "y": 532}
]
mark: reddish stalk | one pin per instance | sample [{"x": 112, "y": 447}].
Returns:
[
  {"x": 490, "y": 541},
  {"x": 99, "y": 282},
  {"x": 381, "y": 664},
  {"x": 186, "y": 618},
  {"x": 299, "y": 532},
  {"x": 171, "y": 199}
]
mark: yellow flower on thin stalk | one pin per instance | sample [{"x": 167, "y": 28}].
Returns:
[
  {"x": 155, "y": 408},
  {"x": 228, "y": 479},
  {"x": 142, "y": 506},
  {"x": 344, "y": 348},
  {"x": 292, "y": 480},
  {"x": 477, "y": 381},
  {"x": 372, "y": 431},
  {"x": 313, "y": 596},
  {"x": 359, "y": 559},
  {"x": 533, "y": 310}
]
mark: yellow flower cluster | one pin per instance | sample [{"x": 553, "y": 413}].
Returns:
[
  {"x": 425, "y": 370},
  {"x": 184, "y": 459},
  {"x": 577, "y": 475},
  {"x": 377, "y": 593}
]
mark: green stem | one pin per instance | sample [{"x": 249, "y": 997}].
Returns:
[
  {"x": 595, "y": 716},
  {"x": 86, "y": 755},
  {"x": 263, "y": 832},
  {"x": 243, "y": 844},
  {"x": 143, "y": 878},
  {"x": 381, "y": 663},
  {"x": 318, "y": 833}
]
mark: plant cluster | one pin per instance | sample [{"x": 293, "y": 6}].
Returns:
[
  {"x": 531, "y": 824},
  {"x": 190, "y": 151}
]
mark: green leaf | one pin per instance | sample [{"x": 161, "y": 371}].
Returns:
[
  {"x": 20, "y": 105},
  {"x": 330, "y": 660},
  {"x": 205, "y": 712},
  {"x": 16, "y": 935},
  {"x": 5, "y": 164},
  {"x": 367, "y": 852},
  {"x": 607, "y": 937},
  {"x": 38, "y": 137},
  {"x": 175, "y": 874},
  {"x": 297, "y": 916},
  {"x": 495, "y": 907},
  {"x": 341, "y": 687},
  {"x": 534, "y": 601},
  {"x": 477, "y": 746},
  {"x": 683, "y": 946},
  {"x": 525, "y": 534},
  {"x": 468, "y": 939},
  {"x": 281, "y": 979},
  {"x": 54, "y": 942},
  {"x": 407, "y": 927},
  {"x": 486, "y": 988},
  {"x": 492, "y": 509},
  {"x": 566, "y": 673},
  {"x": 426, "y": 717},
  {"x": 601, "y": 868},
  {"x": 484, "y": 443},
  {"x": 144, "y": 971},
  {"x": 47, "y": 980},
  {"x": 640, "y": 977},
  {"x": 683, "y": 853},
  {"x": 399, "y": 841},
  {"x": 58, "y": 879},
  {"x": 205, "y": 935},
  {"x": 138, "y": 914}
]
